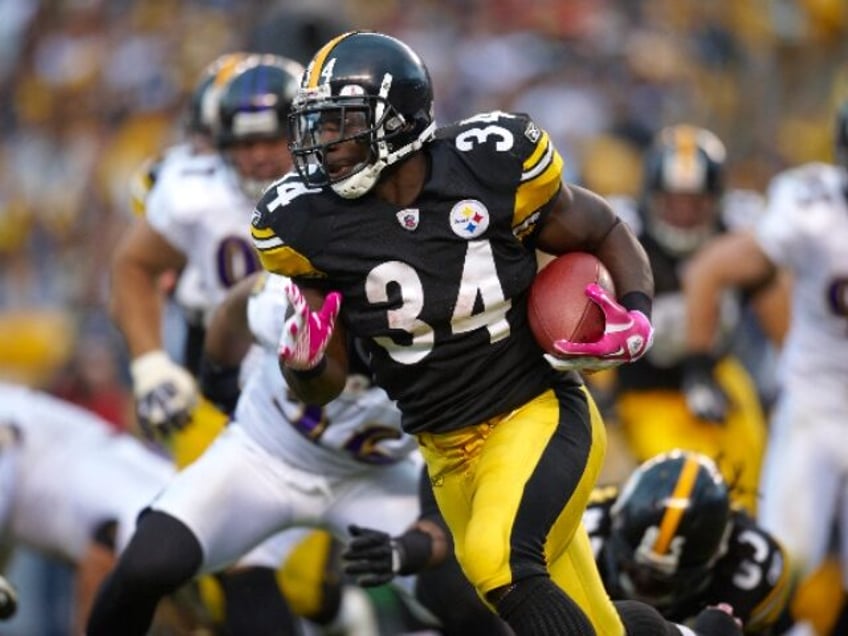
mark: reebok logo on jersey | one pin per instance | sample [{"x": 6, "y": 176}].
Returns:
[
  {"x": 408, "y": 218},
  {"x": 469, "y": 219}
]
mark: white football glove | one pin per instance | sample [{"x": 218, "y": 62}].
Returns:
[{"x": 165, "y": 393}]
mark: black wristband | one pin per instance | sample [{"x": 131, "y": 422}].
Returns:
[
  {"x": 220, "y": 384},
  {"x": 415, "y": 548},
  {"x": 309, "y": 374},
  {"x": 638, "y": 301}
]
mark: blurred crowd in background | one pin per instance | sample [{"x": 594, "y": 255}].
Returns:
[{"x": 91, "y": 88}]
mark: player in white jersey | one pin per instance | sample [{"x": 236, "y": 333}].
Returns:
[
  {"x": 70, "y": 486},
  {"x": 278, "y": 464},
  {"x": 805, "y": 230},
  {"x": 196, "y": 219}
]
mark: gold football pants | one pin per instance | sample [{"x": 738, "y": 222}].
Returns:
[
  {"x": 513, "y": 490},
  {"x": 656, "y": 421}
]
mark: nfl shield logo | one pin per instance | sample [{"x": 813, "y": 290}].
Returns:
[{"x": 408, "y": 218}]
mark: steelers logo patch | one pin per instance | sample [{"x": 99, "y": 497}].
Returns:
[{"x": 469, "y": 219}]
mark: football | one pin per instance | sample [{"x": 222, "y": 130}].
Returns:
[{"x": 558, "y": 308}]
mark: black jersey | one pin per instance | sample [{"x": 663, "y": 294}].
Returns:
[
  {"x": 752, "y": 575},
  {"x": 437, "y": 290}
]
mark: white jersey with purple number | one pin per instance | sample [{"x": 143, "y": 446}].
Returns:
[
  {"x": 361, "y": 427},
  {"x": 199, "y": 208},
  {"x": 806, "y": 230},
  {"x": 65, "y": 471}
]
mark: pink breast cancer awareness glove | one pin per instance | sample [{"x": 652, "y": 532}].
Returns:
[
  {"x": 306, "y": 333},
  {"x": 627, "y": 336}
]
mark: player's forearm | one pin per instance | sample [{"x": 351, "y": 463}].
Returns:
[
  {"x": 228, "y": 336},
  {"x": 136, "y": 308},
  {"x": 731, "y": 261},
  {"x": 317, "y": 386}
]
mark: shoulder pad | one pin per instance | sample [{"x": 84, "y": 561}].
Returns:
[
  {"x": 509, "y": 151},
  {"x": 277, "y": 222},
  {"x": 185, "y": 185}
]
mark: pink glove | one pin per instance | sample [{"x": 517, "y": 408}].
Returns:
[
  {"x": 306, "y": 333},
  {"x": 628, "y": 335}
]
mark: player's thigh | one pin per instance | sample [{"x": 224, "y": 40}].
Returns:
[
  {"x": 384, "y": 497},
  {"x": 800, "y": 484},
  {"x": 234, "y": 497},
  {"x": 503, "y": 485}
]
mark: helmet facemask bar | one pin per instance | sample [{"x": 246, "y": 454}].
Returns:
[{"x": 345, "y": 120}]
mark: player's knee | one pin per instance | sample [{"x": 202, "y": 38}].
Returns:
[{"x": 162, "y": 554}]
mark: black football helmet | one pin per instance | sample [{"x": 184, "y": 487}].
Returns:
[
  {"x": 684, "y": 183},
  {"x": 669, "y": 526},
  {"x": 842, "y": 135},
  {"x": 369, "y": 88},
  {"x": 254, "y": 100}
]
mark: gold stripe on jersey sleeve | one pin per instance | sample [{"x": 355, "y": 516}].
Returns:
[
  {"x": 541, "y": 179},
  {"x": 279, "y": 258},
  {"x": 677, "y": 505},
  {"x": 317, "y": 64},
  {"x": 769, "y": 609}
]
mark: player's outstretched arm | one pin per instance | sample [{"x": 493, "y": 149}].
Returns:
[
  {"x": 165, "y": 393},
  {"x": 733, "y": 260}
]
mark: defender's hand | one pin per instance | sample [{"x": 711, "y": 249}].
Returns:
[
  {"x": 704, "y": 395},
  {"x": 627, "y": 336},
  {"x": 165, "y": 393},
  {"x": 306, "y": 333},
  {"x": 371, "y": 557}
]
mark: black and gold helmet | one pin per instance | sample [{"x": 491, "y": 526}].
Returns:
[
  {"x": 373, "y": 89},
  {"x": 669, "y": 526},
  {"x": 684, "y": 179}
]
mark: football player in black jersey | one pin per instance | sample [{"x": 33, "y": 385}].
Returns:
[
  {"x": 668, "y": 399},
  {"x": 670, "y": 537},
  {"x": 425, "y": 241}
]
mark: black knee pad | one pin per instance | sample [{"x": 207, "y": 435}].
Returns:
[{"x": 162, "y": 554}]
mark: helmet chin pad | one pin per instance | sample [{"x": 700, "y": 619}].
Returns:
[{"x": 360, "y": 182}]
